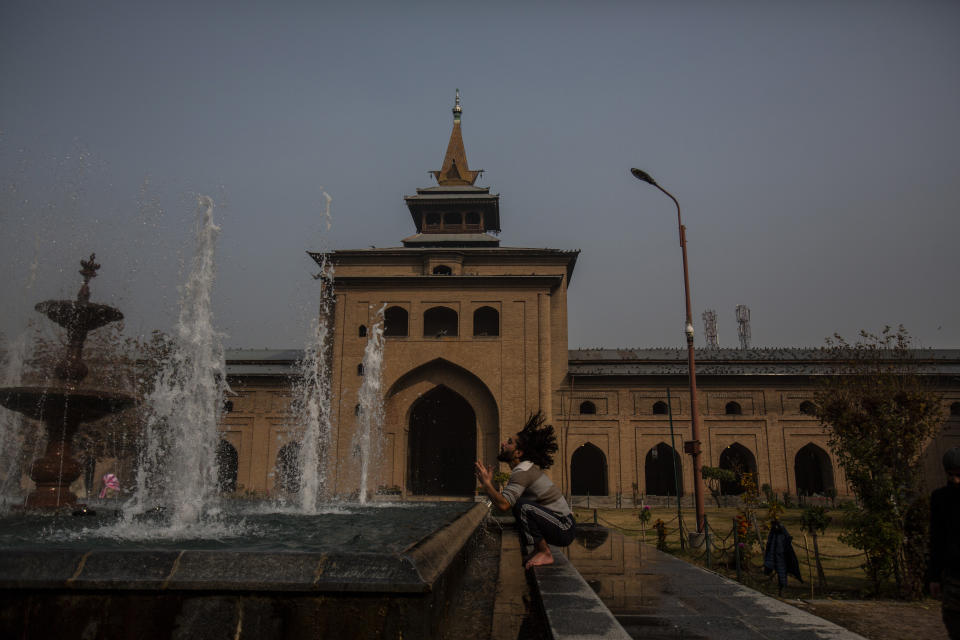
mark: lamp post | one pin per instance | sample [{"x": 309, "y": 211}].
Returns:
[{"x": 693, "y": 446}]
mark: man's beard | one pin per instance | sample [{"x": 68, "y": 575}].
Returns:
[{"x": 505, "y": 456}]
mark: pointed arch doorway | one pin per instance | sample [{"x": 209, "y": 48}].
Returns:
[{"x": 442, "y": 445}]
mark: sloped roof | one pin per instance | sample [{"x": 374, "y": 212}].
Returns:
[{"x": 773, "y": 361}]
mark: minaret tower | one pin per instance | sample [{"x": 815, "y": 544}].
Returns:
[{"x": 455, "y": 213}]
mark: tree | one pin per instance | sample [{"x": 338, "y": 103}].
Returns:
[
  {"x": 815, "y": 520},
  {"x": 716, "y": 477},
  {"x": 880, "y": 411}
]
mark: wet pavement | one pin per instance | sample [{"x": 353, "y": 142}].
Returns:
[{"x": 656, "y": 596}]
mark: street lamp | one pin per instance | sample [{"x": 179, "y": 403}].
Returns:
[{"x": 693, "y": 446}]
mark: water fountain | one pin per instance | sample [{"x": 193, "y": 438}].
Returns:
[
  {"x": 63, "y": 404},
  {"x": 366, "y": 440},
  {"x": 311, "y": 404},
  {"x": 344, "y": 571},
  {"x": 177, "y": 469}
]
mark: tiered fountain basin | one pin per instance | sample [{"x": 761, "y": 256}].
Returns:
[
  {"x": 383, "y": 571},
  {"x": 62, "y": 409},
  {"x": 62, "y": 404}
]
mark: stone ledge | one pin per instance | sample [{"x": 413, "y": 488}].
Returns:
[
  {"x": 413, "y": 570},
  {"x": 571, "y": 609}
]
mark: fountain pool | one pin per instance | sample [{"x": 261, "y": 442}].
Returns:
[
  {"x": 389, "y": 571},
  {"x": 178, "y": 561}
]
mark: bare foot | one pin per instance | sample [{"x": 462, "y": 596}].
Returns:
[{"x": 539, "y": 559}]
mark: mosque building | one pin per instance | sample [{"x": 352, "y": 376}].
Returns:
[{"x": 476, "y": 340}]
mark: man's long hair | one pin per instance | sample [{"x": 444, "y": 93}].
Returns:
[{"x": 537, "y": 441}]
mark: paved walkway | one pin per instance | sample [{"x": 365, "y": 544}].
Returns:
[{"x": 656, "y": 596}]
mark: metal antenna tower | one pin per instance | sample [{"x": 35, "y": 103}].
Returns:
[
  {"x": 710, "y": 328},
  {"x": 743, "y": 325}
]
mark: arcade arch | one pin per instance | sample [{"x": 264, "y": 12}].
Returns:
[
  {"x": 486, "y": 322},
  {"x": 813, "y": 471},
  {"x": 588, "y": 471},
  {"x": 227, "y": 466},
  {"x": 440, "y": 321},
  {"x": 739, "y": 459},
  {"x": 395, "y": 322},
  {"x": 287, "y": 471},
  {"x": 659, "y": 471}
]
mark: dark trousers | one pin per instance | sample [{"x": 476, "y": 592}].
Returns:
[
  {"x": 950, "y": 586},
  {"x": 537, "y": 523}
]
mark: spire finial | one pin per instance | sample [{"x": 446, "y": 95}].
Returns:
[{"x": 455, "y": 170}]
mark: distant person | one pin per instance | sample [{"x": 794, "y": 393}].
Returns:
[
  {"x": 542, "y": 514},
  {"x": 111, "y": 486},
  {"x": 780, "y": 556},
  {"x": 943, "y": 569}
]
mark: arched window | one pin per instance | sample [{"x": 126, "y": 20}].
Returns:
[
  {"x": 432, "y": 220},
  {"x": 439, "y": 322},
  {"x": 227, "y": 462},
  {"x": 955, "y": 409},
  {"x": 588, "y": 408},
  {"x": 813, "y": 471},
  {"x": 472, "y": 219},
  {"x": 362, "y": 331},
  {"x": 395, "y": 322},
  {"x": 588, "y": 471},
  {"x": 486, "y": 322},
  {"x": 288, "y": 467},
  {"x": 452, "y": 219},
  {"x": 733, "y": 409},
  {"x": 663, "y": 478},
  {"x": 442, "y": 270},
  {"x": 360, "y": 369},
  {"x": 740, "y": 460},
  {"x": 807, "y": 408},
  {"x": 660, "y": 408}
]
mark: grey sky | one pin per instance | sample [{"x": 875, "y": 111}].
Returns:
[{"x": 813, "y": 147}]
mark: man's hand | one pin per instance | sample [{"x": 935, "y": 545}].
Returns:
[
  {"x": 484, "y": 474},
  {"x": 485, "y": 477}
]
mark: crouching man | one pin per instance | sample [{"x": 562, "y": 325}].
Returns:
[{"x": 542, "y": 514}]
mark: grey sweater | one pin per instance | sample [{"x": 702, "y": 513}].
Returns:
[{"x": 527, "y": 481}]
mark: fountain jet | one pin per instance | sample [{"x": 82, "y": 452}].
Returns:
[{"x": 178, "y": 468}]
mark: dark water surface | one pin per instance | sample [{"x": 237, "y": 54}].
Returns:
[{"x": 383, "y": 528}]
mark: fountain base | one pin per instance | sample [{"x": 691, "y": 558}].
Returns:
[
  {"x": 61, "y": 409},
  {"x": 357, "y": 587},
  {"x": 53, "y": 475}
]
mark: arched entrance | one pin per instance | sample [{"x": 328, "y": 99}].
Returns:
[
  {"x": 813, "y": 471},
  {"x": 227, "y": 464},
  {"x": 288, "y": 468},
  {"x": 588, "y": 471},
  {"x": 658, "y": 469},
  {"x": 739, "y": 459},
  {"x": 442, "y": 446}
]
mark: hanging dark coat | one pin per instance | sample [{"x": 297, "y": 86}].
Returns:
[{"x": 780, "y": 556}]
